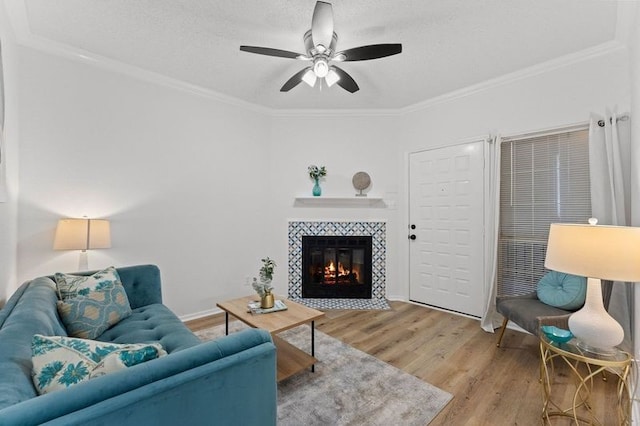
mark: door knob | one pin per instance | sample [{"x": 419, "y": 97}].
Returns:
[
  {"x": 413, "y": 227},
  {"x": 412, "y": 236}
]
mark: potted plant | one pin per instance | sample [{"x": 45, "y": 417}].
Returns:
[
  {"x": 264, "y": 287},
  {"x": 316, "y": 173}
]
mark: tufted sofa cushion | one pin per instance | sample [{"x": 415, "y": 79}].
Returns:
[{"x": 152, "y": 323}]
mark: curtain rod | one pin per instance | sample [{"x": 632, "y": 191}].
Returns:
[
  {"x": 601, "y": 123},
  {"x": 545, "y": 132}
]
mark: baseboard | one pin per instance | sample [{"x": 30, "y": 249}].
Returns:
[
  {"x": 397, "y": 298},
  {"x": 462, "y": 314},
  {"x": 201, "y": 314},
  {"x": 214, "y": 311}
]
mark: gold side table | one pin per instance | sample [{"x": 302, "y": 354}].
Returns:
[{"x": 584, "y": 368}]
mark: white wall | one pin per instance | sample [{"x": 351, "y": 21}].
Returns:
[
  {"x": 204, "y": 188},
  {"x": 183, "y": 178},
  {"x": 559, "y": 97},
  {"x": 9, "y": 208},
  {"x": 554, "y": 98},
  {"x": 345, "y": 143},
  {"x": 379, "y": 144}
]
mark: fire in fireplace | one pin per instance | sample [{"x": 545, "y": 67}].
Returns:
[{"x": 336, "y": 267}]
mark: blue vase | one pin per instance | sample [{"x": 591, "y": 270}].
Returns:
[{"x": 316, "y": 189}]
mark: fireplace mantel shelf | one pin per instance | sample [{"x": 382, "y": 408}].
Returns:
[{"x": 340, "y": 201}]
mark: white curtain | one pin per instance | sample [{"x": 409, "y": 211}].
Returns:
[
  {"x": 3, "y": 170},
  {"x": 490, "y": 318},
  {"x": 634, "y": 59},
  {"x": 3, "y": 161},
  {"x": 610, "y": 178}
]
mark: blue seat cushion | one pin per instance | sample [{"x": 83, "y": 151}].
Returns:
[
  {"x": 564, "y": 291},
  {"x": 152, "y": 323}
]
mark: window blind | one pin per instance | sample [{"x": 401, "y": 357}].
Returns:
[{"x": 543, "y": 180}]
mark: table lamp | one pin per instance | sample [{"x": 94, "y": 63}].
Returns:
[
  {"x": 596, "y": 252},
  {"x": 82, "y": 234}
]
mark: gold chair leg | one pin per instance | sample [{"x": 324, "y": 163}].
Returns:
[{"x": 504, "y": 327}]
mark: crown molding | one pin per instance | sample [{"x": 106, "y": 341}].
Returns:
[
  {"x": 24, "y": 37},
  {"x": 18, "y": 17},
  {"x": 335, "y": 112},
  {"x": 53, "y": 48},
  {"x": 544, "y": 67}
]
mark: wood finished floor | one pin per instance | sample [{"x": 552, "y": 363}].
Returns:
[{"x": 491, "y": 385}]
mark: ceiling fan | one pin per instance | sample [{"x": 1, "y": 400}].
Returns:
[{"x": 320, "y": 43}]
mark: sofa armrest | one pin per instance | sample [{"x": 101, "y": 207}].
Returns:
[{"x": 226, "y": 381}]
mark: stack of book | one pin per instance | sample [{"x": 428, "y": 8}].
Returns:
[{"x": 278, "y": 305}]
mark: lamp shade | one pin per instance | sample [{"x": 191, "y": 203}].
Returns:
[
  {"x": 99, "y": 234},
  {"x": 71, "y": 234},
  {"x": 596, "y": 251},
  {"x": 82, "y": 234}
]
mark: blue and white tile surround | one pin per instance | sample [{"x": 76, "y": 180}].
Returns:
[{"x": 378, "y": 232}]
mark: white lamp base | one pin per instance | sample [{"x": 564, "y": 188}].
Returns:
[
  {"x": 592, "y": 325},
  {"x": 83, "y": 261}
]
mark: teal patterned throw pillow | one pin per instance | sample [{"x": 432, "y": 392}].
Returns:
[
  {"x": 91, "y": 304},
  {"x": 70, "y": 286},
  {"x": 89, "y": 316},
  {"x": 60, "y": 362}
]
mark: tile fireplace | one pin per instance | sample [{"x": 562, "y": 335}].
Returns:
[{"x": 338, "y": 265}]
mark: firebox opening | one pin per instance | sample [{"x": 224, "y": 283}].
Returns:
[{"x": 336, "y": 267}]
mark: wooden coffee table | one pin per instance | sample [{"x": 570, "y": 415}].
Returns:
[{"x": 290, "y": 358}]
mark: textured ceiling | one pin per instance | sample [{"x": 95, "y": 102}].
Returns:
[{"x": 447, "y": 44}]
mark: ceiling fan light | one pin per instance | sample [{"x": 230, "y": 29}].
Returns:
[
  {"x": 339, "y": 57},
  {"x": 332, "y": 77},
  {"x": 309, "y": 77},
  {"x": 321, "y": 68}
]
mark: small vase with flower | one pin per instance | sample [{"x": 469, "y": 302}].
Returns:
[
  {"x": 264, "y": 287},
  {"x": 316, "y": 173}
]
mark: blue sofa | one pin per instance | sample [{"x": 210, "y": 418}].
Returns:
[{"x": 231, "y": 380}]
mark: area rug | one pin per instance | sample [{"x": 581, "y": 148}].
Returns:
[{"x": 349, "y": 387}]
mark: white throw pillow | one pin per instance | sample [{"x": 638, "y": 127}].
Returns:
[{"x": 60, "y": 362}]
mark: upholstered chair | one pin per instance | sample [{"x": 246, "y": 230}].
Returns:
[{"x": 530, "y": 313}]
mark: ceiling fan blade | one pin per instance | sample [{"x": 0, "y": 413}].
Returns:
[
  {"x": 373, "y": 51},
  {"x": 271, "y": 52},
  {"x": 346, "y": 82},
  {"x": 294, "y": 81},
  {"x": 322, "y": 24}
]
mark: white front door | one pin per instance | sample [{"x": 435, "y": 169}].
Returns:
[{"x": 446, "y": 212}]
